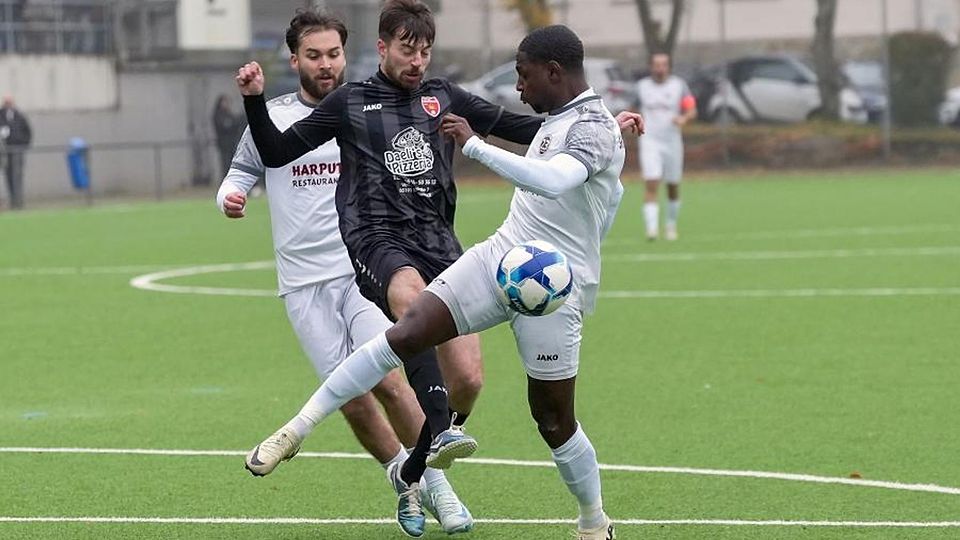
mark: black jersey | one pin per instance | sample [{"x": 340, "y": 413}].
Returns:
[{"x": 396, "y": 179}]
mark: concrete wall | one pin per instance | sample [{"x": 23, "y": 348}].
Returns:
[
  {"x": 59, "y": 82},
  {"x": 152, "y": 107}
]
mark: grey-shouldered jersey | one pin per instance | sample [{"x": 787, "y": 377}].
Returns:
[{"x": 577, "y": 221}]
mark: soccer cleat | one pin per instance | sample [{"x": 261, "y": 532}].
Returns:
[
  {"x": 671, "y": 232},
  {"x": 444, "y": 505},
  {"x": 652, "y": 235},
  {"x": 281, "y": 446},
  {"x": 448, "y": 446},
  {"x": 603, "y": 532},
  {"x": 409, "y": 508}
]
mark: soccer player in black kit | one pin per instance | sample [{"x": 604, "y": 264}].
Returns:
[{"x": 396, "y": 200}]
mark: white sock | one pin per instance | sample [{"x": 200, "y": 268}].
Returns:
[
  {"x": 673, "y": 212},
  {"x": 399, "y": 458},
  {"x": 577, "y": 461},
  {"x": 434, "y": 478},
  {"x": 355, "y": 376},
  {"x": 651, "y": 216}
]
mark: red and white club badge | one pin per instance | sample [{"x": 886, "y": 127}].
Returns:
[{"x": 431, "y": 105}]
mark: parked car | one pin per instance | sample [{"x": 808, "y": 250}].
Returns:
[
  {"x": 949, "y": 111},
  {"x": 870, "y": 82},
  {"x": 606, "y": 76},
  {"x": 775, "y": 89}
]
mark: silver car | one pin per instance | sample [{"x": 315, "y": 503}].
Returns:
[
  {"x": 776, "y": 89},
  {"x": 499, "y": 85}
]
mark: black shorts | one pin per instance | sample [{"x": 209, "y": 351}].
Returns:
[{"x": 376, "y": 262}]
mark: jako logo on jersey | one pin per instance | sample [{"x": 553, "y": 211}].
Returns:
[
  {"x": 373, "y": 107},
  {"x": 544, "y": 145},
  {"x": 431, "y": 105},
  {"x": 548, "y": 357},
  {"x": 411, "y": 155}
]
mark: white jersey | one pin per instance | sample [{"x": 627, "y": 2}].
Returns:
[
  {"x": 576, "y": 221},
  {"x": 660, "y": 103},
  {"x": 301, "y": 194}
]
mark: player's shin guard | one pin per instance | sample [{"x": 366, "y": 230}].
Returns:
[
  {"x": 577, "y": 461},
  {"x": 357, "y": 375}
]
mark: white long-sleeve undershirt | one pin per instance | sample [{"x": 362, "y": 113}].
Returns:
[{"x": 551, "y": 178}]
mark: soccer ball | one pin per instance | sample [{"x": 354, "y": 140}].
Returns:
[{"x": 535, "y": 278}]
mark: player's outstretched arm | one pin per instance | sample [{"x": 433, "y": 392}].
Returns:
[
  {"x": 550, "y": 178},
  {"x": 276, "y": 148}
]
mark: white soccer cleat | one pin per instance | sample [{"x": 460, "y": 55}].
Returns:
[
  {"x": 281, "y": 446},
  {"x": 444, "y": 505},
  {"x": 652, "y": 235},
  {"x": 603, "y": 532}
]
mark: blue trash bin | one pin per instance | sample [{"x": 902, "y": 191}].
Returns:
[{"x": 77, "y": 158}]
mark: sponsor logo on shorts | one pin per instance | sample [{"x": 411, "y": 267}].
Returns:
[
  {"x": 543, "y": 357},
  {"x": 435, "y": 388}
]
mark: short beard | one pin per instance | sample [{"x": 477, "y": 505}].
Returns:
[{"x": 312, "y": 87}]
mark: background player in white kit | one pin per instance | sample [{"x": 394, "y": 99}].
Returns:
[
  {"x": 316, "y": 279},
  {"x": 667, "y": 105},
  {"x": 568, "y": 193}
]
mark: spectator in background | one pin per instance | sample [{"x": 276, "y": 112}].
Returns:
[
  {"x": 15, "y": 138},
  {"x": 228, "y": 127}
]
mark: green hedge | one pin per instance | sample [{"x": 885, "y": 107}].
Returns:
[{"x": 919, "y": 63}]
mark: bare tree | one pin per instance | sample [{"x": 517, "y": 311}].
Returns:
[
  {"x": 653, "y": 29},
  {"x": 825, "y": 63},
  {"x": 534, "y": 13}
]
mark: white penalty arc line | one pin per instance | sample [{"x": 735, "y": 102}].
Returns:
[
  {"x": 487, "y": 521},
  {"x": 149, "y": 282},
  {"x": 926, "y": 251},
  {"x": 793, "y": 477}
]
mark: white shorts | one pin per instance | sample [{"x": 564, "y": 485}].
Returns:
[
  {"x": 331, "y": 320},
  {"x": 549, "y": 346},
  {"x": 661, "y": 160}
]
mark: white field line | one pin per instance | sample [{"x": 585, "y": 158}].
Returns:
[
  {"x": 785, "y": 293},
  {"x": 793, "y": 477},
  {"x": 927, "y": 251},
  {"x": 803, "y": 233},
  {"x": 79, "y": 270},
  {"x": 487, "y": 521},
  {"x": 149, "y": 282}
]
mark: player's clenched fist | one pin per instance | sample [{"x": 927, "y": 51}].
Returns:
[
  {"x": 250, "y": 79},
  {"x": 234, "y": 203}
]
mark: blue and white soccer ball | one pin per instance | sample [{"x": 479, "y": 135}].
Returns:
[{"x": 535, "y": 278}]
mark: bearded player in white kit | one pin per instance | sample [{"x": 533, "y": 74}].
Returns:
[
  {"x": 316, "y": 280},
  {"x": 667, "y": 105},
  {"x": 568, "y": 191}
]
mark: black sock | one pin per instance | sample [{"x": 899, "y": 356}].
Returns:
[
  {"x": 416, "y": 462},
  {"x": 423, "y": 374},
  {"x": 460, "y": 419}
]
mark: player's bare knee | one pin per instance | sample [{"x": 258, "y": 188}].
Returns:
[{"x": 467, "y": 386}]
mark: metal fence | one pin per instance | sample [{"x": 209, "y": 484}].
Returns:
[{"x": 56, "y": 27}]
